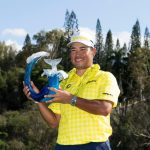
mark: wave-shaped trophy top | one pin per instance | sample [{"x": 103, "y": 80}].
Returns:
[{"x": 36, "y": 55}]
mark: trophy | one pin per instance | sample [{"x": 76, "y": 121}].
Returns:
[{"x": 54, "y": 76}]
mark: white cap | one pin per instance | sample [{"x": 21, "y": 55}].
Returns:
[{"x": 82, "y": 37}]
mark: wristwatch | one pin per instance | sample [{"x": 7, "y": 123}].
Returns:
[{"x": 73, "y": 101}]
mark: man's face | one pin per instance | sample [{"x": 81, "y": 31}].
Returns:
[{"x": 82, "y": 55}]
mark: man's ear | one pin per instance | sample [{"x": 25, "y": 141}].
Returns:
[{"x": 94, "y": 51}]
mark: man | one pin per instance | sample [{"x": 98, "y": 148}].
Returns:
[{"x": 81, "y": 107}]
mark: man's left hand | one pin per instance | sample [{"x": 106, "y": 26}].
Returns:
[{"x": 60, "y": 96}]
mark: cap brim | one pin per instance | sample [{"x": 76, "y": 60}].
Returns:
[{"x": 87, "y": 43}]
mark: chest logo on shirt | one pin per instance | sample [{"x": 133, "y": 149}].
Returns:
[
  {"x": 90, "y": 81},
  {"x": 107, "y": 94},
  {"x": 68, "y": 86}
]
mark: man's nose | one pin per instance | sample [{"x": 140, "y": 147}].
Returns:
[{"x": 78, "y": 52}]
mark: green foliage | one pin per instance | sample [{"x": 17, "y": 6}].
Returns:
[
  {"x": 99, "y": 44},
  {"x": 3, "y": 145},
  {"x": 2, "y": 122},
  {"x": 9, "y": 95},
  {"x": 136, "y": 36},
  {"x": 16, "y": 145},
  {"x": 131, "y": 131},
  {"x": 119, "y": 66},
  {"x": 9, "y": 77},
  {"x": 109, "y": 44},
  {"x": 7, "y": 57},
  {"x": 71, "y": 24},
  {"x": 146, "y": 38},
  {"x": 2, "y": 80},
  {"x": 27, "y": 41},
  {"x": 25, "y": 130},
  {"x": 108, "y": 50},
  {"x": 139, "y": 66}
]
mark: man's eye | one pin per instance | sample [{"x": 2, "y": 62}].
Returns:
[
  {"x": 73, "y": 49},
  {"x": 83, "y": 48}
]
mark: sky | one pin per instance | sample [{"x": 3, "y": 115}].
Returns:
[{"x": 19, "y": 17}]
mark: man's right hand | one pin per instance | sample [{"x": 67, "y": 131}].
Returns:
[
  {"x": 49, "y": 116},
  {"x": 27, "y": 92}
]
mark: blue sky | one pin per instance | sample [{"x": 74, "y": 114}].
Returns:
[{"x": 19, "y": 17}]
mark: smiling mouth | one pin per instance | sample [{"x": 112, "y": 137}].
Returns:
[{"x": 78, "y": 59}]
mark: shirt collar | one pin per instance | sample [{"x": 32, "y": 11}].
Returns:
[{"x": 94, "y": 67}]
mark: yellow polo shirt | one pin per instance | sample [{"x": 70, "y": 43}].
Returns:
[{"x": 78, "y": 126}]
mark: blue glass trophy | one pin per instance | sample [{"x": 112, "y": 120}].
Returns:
[{"x": 54, "y": 76}]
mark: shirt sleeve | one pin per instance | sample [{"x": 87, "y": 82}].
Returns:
[
  {"x": 55, "y": 107},
  {"x": 109, "y": 89}
]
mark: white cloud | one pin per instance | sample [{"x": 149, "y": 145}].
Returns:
[
  {"x": 14, "y": 44},
  {"x": 19, "y": 32},
  {"x": 124, "y": 37}
]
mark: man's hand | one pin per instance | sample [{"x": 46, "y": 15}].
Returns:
[
  {"x": 48, "y": 115},
  {"x": 27, "y": 92},
  {"x": 61, "y": 96}
]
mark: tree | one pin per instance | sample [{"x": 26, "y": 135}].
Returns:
[
  {"x": 117, "y": 48},
  {"x": 99, "y": 44},
  {"x": 25, "y": 129},
  {"x": 53, "y": 39},
  {"x": 7, "y": 56},
  {"x": 27, "y": 40},
  {"x": 108, "y": 51},
  {"x": 146, "y": 38},
  {"x": 109, "y": 44},
  {"x": 119, "y": 62},
  {"x": 27, "y": 50},
  {"x": 66, "y": 23},
  {"x": 74, "y": 23},
  {"x": 139, "y": 66},
  {"x": 40, "y": 38},
  {"x": 71, "y": 27},
  {"x": 136, "y": 36},
  {"x": 64, "y": 54},
  {"x": 125, "y": 49},
  {"x": 131, "y": 131},
  {"x": 71, "y": 24}
]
